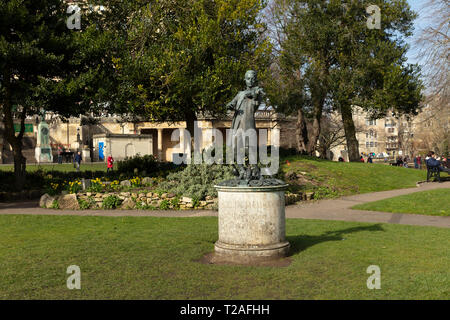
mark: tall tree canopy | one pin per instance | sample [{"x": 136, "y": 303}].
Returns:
[
  {"x": 45, "y": 65},
  {"x": 182, "y": 58},
  {"x": 329, "y": 49}
]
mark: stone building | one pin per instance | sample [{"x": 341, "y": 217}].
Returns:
[
  {"x": 90, "y": 135},
  {"x": 388, "y": 137}
]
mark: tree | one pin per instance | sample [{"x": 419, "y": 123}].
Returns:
[
  {"x": 298, "y": 85},
  {"x": 433, "y": 42},
  {"x": 44, "y": 65},
  {"x": 343, "y": 63},
  {"x": 184, "y": 58}
]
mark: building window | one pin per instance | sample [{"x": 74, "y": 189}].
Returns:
[
  {"x": 371, "y": 143},
  {"x": 367, "y": 144}
]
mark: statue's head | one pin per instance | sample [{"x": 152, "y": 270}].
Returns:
[{"x": 251, "y": 78}]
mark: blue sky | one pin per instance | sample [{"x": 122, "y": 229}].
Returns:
[{"x": 420, "y": 23}]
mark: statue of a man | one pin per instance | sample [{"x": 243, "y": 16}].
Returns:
[{"x": 245, "y": 104}]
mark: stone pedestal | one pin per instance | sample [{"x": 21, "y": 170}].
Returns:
[
  {"x": 251, "y": 224},
  {"x": 43, "y": 154}
]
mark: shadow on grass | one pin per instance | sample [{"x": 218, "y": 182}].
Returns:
[{"x": 302, "y": 242}]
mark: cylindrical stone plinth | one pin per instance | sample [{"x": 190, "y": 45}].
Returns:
[{"x": 251, "y": 223}]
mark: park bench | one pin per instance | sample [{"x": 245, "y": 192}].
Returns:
[{"x": 433, "y": 172}]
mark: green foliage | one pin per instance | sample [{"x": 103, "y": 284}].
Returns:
[
  {"x": 164, "y": 205},
  {"x": 197, "y": 181},
  {"x": 195, "y": 201},
  {"x": 111, "y": 202},
  {"x": 55, "y": 205},
  {"x": 175, "y": 202},
  {"x": 84, "y": 205},
  {"x": 74, "y": 186},
  {"x": 182, "y": 57},
  {"x": 330, "y": 60},
  {"x": 138, "y": 162},
  {"x": 142, "y": 165},
  {"x": 96, "y": 186},
  {"x": 142, "y": 205},
  {"x": 46, "y": 65}
]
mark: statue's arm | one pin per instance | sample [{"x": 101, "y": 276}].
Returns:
[{"x": 232, "y": 104}]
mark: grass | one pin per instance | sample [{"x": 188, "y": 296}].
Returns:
[
  {"x": 65, "y": 167},
  {"x": 432, "y": 203},
  {"x": 154, "y": 258},
  {"x": 330, "y": 179}
]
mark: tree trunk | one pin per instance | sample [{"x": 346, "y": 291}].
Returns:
[
  {"x": 301, "y": 132},
  {"x": 350, "y": 133},
  {"x": 12, "y": 139},
  {"x": 315, "y": 133},
  {"x": 19, "y": 165}
]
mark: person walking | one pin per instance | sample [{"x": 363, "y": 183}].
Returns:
[
  {"x": 110, "y": 163},
  {"x": 78, "y": 160},
  {"x": 419, "y": 162}
]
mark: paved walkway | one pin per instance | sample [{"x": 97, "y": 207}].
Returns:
[{"x": 336, "y": 209}]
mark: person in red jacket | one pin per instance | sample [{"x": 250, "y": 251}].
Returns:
[{"x": 110, "y": 163}]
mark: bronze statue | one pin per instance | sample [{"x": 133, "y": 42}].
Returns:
[{"x": 245, "y": 104}]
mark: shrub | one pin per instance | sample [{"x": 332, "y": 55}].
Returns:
[
  {"x": 55, "y": 205},
  {"x": 197, "y": 180},
  {"x": 84, "y": 205},
  {"x": 111, "y": 202},
  {"x": 141, "y": 205},
  {"x": 195, "y": 201},
  {"x": 164, "y": 205},
  {"x": 143, "y": 165},
  {"x": 175, "y": 202}
]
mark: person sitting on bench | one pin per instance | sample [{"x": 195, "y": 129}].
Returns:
[{"x": 433, "y": 162}]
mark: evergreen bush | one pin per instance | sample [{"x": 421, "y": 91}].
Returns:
[{"x": 197, "y": 180}]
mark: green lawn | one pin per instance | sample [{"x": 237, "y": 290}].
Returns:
[
  {"x": 432, "y": 203},
  {"x": 333, "y": 179},
  {"x": 154, "y": 258},
  {"x": 65, "y": 167}
]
